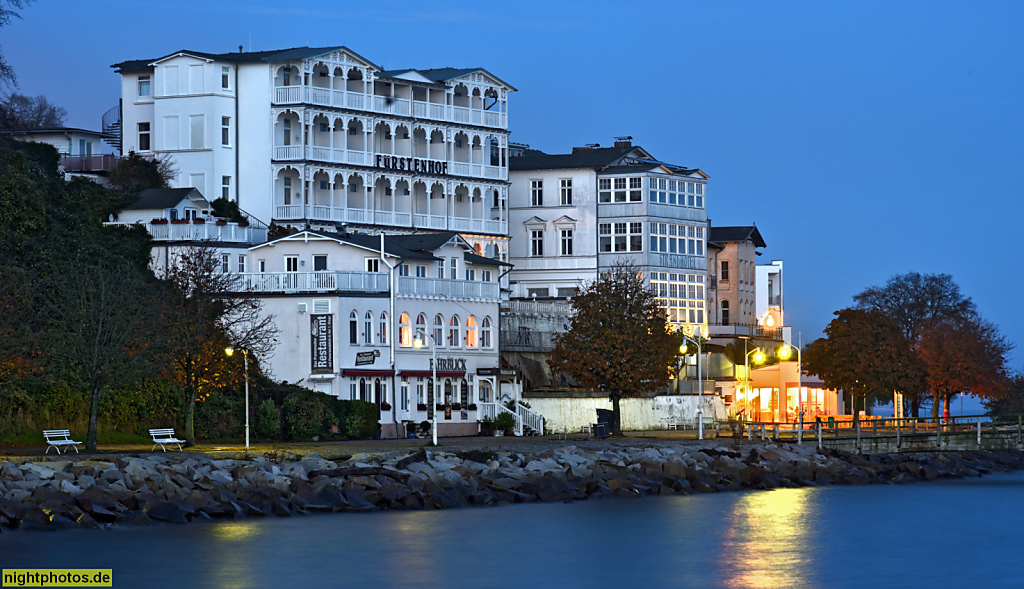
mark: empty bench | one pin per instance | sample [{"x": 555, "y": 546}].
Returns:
[
  {"x": 164, "y": 436},
  {"x": 55, "y": 438}
]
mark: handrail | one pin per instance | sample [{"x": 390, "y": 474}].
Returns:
[
  {"x": 530, "y": 417},
  {"x": 492, "y": 410}
]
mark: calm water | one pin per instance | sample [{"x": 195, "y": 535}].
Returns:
[{"x": 943, "y": 534}]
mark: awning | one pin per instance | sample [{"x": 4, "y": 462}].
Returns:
[
  {"x": 429, "y": 373},
  {"x": 358, "y": 372}
]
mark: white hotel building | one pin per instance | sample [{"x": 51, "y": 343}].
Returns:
[{"x": 326, "y": 138}]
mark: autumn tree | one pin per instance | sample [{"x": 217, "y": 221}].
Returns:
[
  {"x": 208, "y": 310},
  {"x": 864, "y": 354},
  {"x": 99, "y": 327},
  {"x": 912, "y": 301},
  {"x": 619, "y": 340}
]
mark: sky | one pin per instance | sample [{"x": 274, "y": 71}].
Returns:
[{"x": 865, "y": 139}]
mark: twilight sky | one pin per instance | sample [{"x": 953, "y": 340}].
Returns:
[{"x": 864, "y": 138}]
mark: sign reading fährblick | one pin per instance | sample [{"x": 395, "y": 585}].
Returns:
[
  {"x": 450, "y": 364},
  {"x": 322, "y": 343},
  {"x": 411, "y": 164}
]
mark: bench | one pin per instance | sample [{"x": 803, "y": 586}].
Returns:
[
  {"x": 55, "y": 438},
  {"x": 163, "y": 436}
]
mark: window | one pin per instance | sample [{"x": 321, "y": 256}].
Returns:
[
  {"x": 405, "y": 395},
  {"x": 453, "y": 265},
  {"x": 353, "y": 328},
  {"x": 725, "y": 312},
  {"x": 225, "y": 79},
  {"x": 291, "y": 264},
  {"x": 681, "y": 295},
  {"x": 537, "y": 193},
  {"x": 404, "y": 331},
  {"x": 566, "y": 292},
  {"x": 197, "y": 132},
  {"x": 403, "y": 270},
  {"x": 372, "y": 264},
  {"x": 470, "y": 274},
  {"x": 471, "y": 334},
  {"x": 241, "y": 263},
  {"x": 419, "y": 390},
  {"x": 604, "y": 187},
  {"x": 604, "y": 231},
  {"x": 440, "y": 268},
  {"x": 287, "y": 191},
  {"x": 319, "y": 262},
  {"x": 225, "y": 187},
  {"x": 225, "y": 263},
  {"x": 620, "y": 190},
  {"x": 565, "y": 192},
  {"x": 421, "y": 271},
  {"x": 537, "y": 242},
  {"x": 144, "y": 144},
  {"x": 485, "y": 276},
  {"x": 421, "y": 326},
  {"x": 668, "y": 238},
  {"x": 635, "y": 192},
  {"x": 225, "y": 131},
  {"x": 145, "y": 87},
  {"x": 383, "y": 335},
  {"x": 438, "y": 331},
  {"x": 565, "y": 242},
  {"x": 368, "y": 328},
  {"x": 286, "y": 132},
  {"x": 537, "y": 292},
  {"x": 724, "y": 276},
  {"x": 263, "y": 266},
  {"x": 620, "y": 237},
  {"x": 485, "y": 333},
  {"x": 454, "y": 332}
]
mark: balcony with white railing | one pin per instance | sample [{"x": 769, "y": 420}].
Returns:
[
  {"x": 296, "y": 212},
  {"x": 389, "y": 105},
  {"x": 321, "y": 282},
  {"x": 409, "y": 286},
  {"x": 206, "y": 230}
]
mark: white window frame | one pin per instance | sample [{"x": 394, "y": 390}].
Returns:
[
  {"x": 537, "y": 193},
  {"x": 225, "y": 187},
  {"x": 565, "y": 242},
  {"x": 147, "y": 133},
  {"x": 225, "y": 131},
  {"x": 146, "y": 82},
  {"x": 536, "y": 243},
  {"x": 565, "y": 192}
]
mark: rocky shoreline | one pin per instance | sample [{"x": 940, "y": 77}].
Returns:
[{"x": 58, "y": 493}]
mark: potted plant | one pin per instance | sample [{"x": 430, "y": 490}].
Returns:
[
  {"x": 199, "y": 220},
  {"x": 504, "y": 423},
  {"x": 456, "y": 406},
  {"x": 222, "y": 222},
  {"x": 421, "y": 406},
  {"x": 410, "y": 429},
  {"x": 179, "y": 221},
  {"x": 385, "y": 406},
  {"x": 243, "y": 223},
  {"x": 424, "y": 428},
  {"x": 487, "y": 426},
  {"x": 158, "y": 222},
  {"x": 472, "y": 407},
  {"x": 439, "y": 407}
]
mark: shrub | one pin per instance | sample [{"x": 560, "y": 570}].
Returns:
[
  {"x": 505, "y": 421},
  {"x": 306, "y": 414},
  {"x": 268, "y": 420}
]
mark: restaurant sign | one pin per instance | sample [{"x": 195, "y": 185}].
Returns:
[{"x": 322, "y": 348}]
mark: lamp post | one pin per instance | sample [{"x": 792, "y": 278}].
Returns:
[
  {"x": 758, "y": 358},
  {"x": 418, "y": 343},
  {"x": 245, "y": 354},
  {"x": 700, "y": 383}
]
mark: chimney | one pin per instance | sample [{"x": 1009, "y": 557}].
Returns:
[
  {"x": 624, "y": 142},
  {"x": 586, "y": 148}
]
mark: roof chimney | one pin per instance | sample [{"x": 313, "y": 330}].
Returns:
[
  {"x": 626, "y": 141},
  {"x": 586, "y": 148}
]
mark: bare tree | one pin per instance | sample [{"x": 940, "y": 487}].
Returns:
[
  {"x": 18, "y": 111},
  {"x": 8, "y": 11},
  {"x": 99, "y": 322},
  {"x": 210, "y": 309}
]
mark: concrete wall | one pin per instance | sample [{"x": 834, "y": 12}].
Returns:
[{"x": 565, "y": 413}]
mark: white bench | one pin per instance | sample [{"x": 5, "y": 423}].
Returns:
[
  {"x": 57, "y": 438},
  {"x": 163, "y": 436}
]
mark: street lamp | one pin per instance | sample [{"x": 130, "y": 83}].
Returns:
[
  {"x": 245, "y": 354},
  {"x": 418, "y": 343},
  {"x": 700, "y": 383},
  {"x": 758, "y": 358}
]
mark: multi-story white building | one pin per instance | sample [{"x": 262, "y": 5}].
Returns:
[
  {"x": 350, "y": 306},
  {"x": 322, "y": 136},
  {"x": 573, "y": 215}
]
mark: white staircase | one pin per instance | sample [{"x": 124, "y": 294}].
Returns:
[{"x": 528, "y": 422}]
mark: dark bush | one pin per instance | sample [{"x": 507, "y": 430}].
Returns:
[
  {"x": 306, "y": 415},
  {"x": 268, "y": 420},
  {"x": 357, "y": 420}
]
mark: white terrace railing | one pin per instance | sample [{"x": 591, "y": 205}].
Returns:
[
  {"x": 493, "y": 410},
  {"x": 207, "y": 231},
  {"x": 439, "y": 287},
  {"x": 313, "y": 281},
  {"x": 530, "y": 418}
]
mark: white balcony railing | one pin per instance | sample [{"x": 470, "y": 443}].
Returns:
[
  {"x": 287, "y": 152},
  {"x": 314, "y": 281},
  {"x": 438, "y": 287},
  {"x": 208, "y": 231},
  {"x": 287, "y": 94}
]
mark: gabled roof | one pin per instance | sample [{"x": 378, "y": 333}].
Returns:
[
  {"x": 446, "y": 74},
  {"x": 472, "y": 258},
  {"x": 164, "y": 198},
  {"x": 594, "y": 159},
  {"x": 736, "y": 235},
  {"x": 290, "y": 54},
  {"x": 417, "y": 246}
]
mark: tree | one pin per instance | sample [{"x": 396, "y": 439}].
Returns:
[
  {"x": 963, "y": 354},
  {"x": 18, "y": 111},
  {"x": 135, "y": 172},
  {"x": 8, "y": 11},
  {"x": 912, "y": 301},
  {"x": 99, "y": 323},
  {"x": 619, "y": 340},
  {"x": 209, "y": 309},
  {"x": 864, "y": 354},
  {"x": 1011, "y": 401}
]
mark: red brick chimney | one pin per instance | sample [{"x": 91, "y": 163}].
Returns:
[{"x": 623, "y": 142}]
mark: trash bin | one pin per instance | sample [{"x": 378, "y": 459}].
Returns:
[
  {"x": 831, "y": 422},
  {"x": 604, "y": 423}
]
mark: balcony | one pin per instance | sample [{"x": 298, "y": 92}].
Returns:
[
  {"x": 557, "y": 263},
  {"x": 389, "y": 105},
  {"x": 207, "y": 231},
  {"x": 334, "y": 155},
  {"x": 298, "y": 212},
  {"x": 752, "y": 331},
  {"x": 320, "y": 282},
  {"x": 536, "y": 308},
  {"x": 88, "y": 163},
  {"x": 678, "y": 261},
  {"x": 409, "y": 286}
]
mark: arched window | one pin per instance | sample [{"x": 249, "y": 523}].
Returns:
[
  {"x": 485, "y": 333},
  {"x": 383, "y": 336},
  {"x": 464, "y": 393},
  {"x": 439, "y": 330},
  {"x": 454, "y": 332},
  {"x": 368, "y": 328},
  {"x": 447, "y": 391},
  {"x": 484, "y": 389},
  {"x": 404, "y": 330},
  {"x": 471, "y": 340},
  {"x": 421, "y": 326},
  {"x": 362, "y": 389},
  {"x": 353, "y": 328}
]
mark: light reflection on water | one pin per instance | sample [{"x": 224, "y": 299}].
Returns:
[{"x": 902, "y": 536}]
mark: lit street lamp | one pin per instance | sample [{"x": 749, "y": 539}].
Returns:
[
  {"x": 700, "y": 383},
  {"x": 245, "y": 354},
  {"x": 418, "y": 343},
  {"x": 758, "y": 358}
]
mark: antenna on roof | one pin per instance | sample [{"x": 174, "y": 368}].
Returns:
[{"x": 239, "y": 48}]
